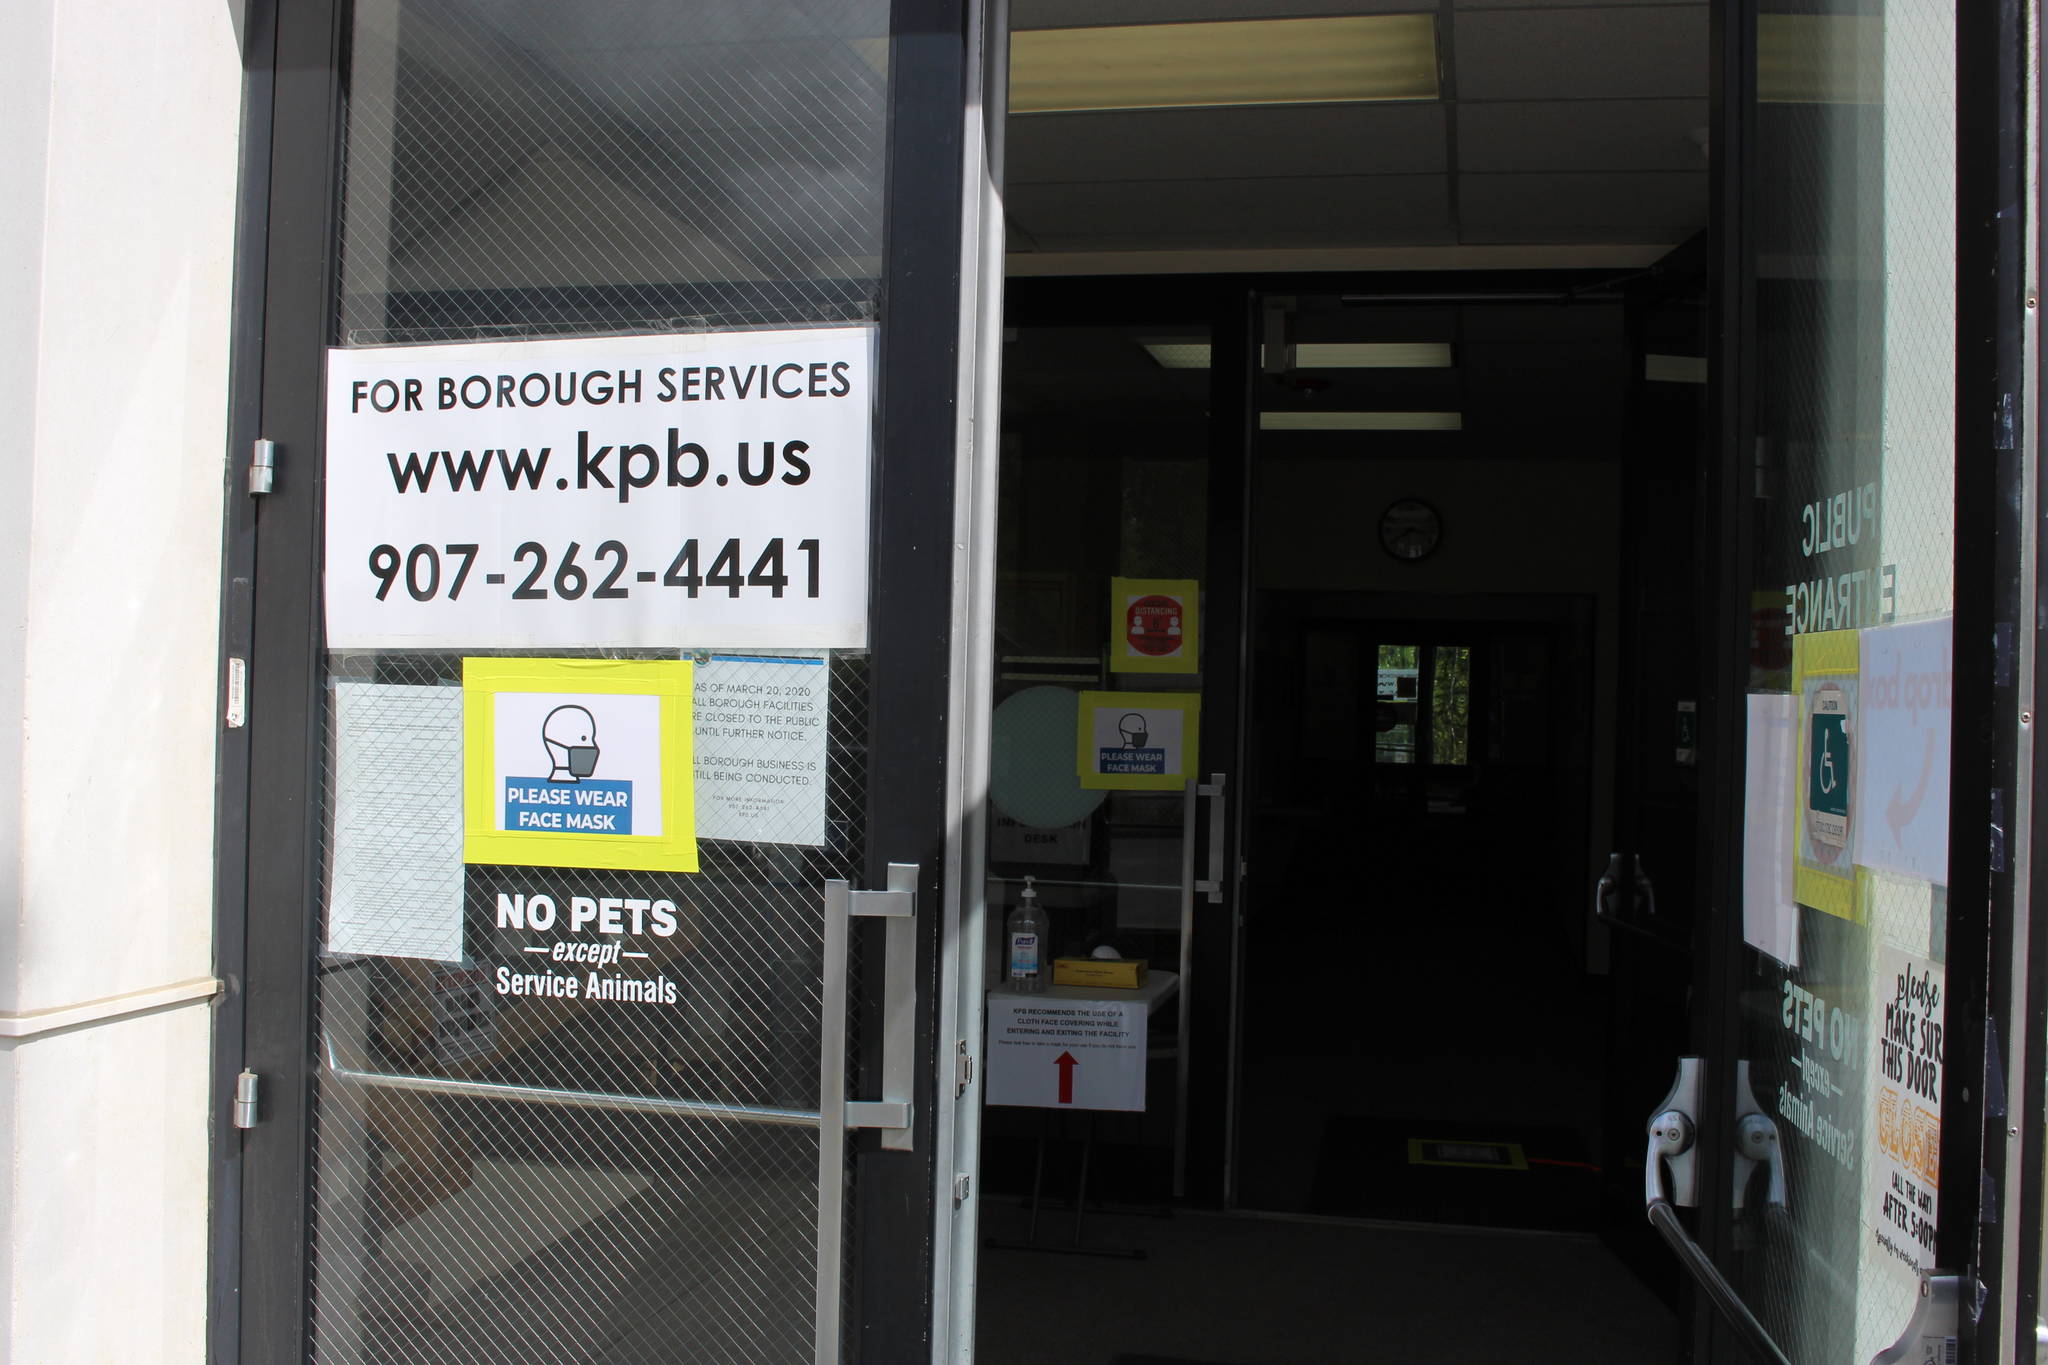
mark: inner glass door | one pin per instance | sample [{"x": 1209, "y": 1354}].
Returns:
[
  {"x": 1106, "y": 761},
  {"x": 1844, "y": 953}
]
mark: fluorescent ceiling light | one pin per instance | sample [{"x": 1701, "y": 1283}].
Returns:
[
  {"x": 1361, "y": 421},
  {"x": 1820, "y": 58},
  {"x": 1339, "y": 60},
  {"x": 1320, "y": 355},
  {"x": 1179, "y": 355},
  {"x": 1675, "y": 369}
]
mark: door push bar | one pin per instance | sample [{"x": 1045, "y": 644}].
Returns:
[{"x": 891, "y": 1114}]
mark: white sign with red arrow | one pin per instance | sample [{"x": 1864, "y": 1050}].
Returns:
[{"x": 1045, "y": 1052}]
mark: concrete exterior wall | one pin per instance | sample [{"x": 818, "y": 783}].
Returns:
[{"x": 116, "y": 244}]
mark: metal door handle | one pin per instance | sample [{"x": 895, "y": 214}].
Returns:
[
  {"x": 1672, "y": 1142},
  {"x": 1931, "y": 1332},
  {"x": 1607, "y": 889},
  {"x": 898, "y": 905},
  {"x": 1647, "y": 890},
  {"x": 1642, "y": 906},
  {"x": 891, "y": 1114},
  {"x": 1756, "y": 1144},
  {"x": 1212, "y": 885}
]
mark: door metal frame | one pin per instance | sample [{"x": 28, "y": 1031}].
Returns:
[
  {"x": 956, "y": 1229},
  {"x": 267, "y": 812}
]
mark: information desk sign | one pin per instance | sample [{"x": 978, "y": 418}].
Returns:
[{"x": 653, "y": 492}]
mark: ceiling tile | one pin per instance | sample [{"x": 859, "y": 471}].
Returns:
[
  {"x": 1171, "y": 144},
  {"x": 1641, "y": 206},
  {"x": 1320, "y": 211},
  {"x": 1582, "y": 135},
  {"x": 1558, "y": 54}
]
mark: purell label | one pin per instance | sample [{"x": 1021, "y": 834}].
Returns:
[{"x": 1023, "y": 955}]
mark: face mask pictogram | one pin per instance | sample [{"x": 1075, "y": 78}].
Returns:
[{"x": 570, "y": 736}]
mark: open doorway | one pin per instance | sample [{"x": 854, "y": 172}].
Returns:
[{"x": 1365, "y": 391}]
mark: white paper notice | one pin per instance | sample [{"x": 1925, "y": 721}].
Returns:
[
  {"x": 1902, "y": 771},
  {"x": 1048, "y": 1053},
  {"x": 1770, "y": 917},
  {"x": 395, "y": 884},
  {"x": 760, "y": 755},
  {"x": 682, "y": 491}
]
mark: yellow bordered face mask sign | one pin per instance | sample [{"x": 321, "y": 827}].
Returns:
[
  {"x": 578, "y": 763},
  {"x": 1137, "y": 741}
]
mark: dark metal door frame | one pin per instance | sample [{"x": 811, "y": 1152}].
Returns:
[{"x": 267, "y": 812}]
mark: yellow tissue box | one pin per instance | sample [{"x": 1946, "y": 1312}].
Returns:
[{"x": 1121, "y": 973}]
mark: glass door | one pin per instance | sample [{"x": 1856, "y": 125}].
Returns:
[
  {"x": 602, "y": 602},
  {"x": 1111, "y": 749},
  {"x": 1841, "y": 986},
  {"x": 1834, "y": 1164}
]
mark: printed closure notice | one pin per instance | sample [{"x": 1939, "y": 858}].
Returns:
[{"x": 671, "y": 491}]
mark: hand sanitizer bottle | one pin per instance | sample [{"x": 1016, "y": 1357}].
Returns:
[{"x": 1024, "y": 934}]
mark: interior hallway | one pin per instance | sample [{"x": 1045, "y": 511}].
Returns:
[{"x": 1220, "y": 1289}]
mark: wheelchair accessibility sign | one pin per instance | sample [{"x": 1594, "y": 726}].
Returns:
[
  {"x": 1825, "y": 673},
  {"x": 1827, "y": 779},
  {"x": 578, "y": 763}
]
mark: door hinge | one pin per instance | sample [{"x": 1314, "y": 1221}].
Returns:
[
  {"x": 245, "y": 1099},
  {"x": 262, "y": 467},
  {"x": 963, "y": 1068},
  {"x": 961, "y": 1185}
]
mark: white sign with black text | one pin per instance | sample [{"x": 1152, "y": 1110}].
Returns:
[
  {"x": 1050, "y": 1052},
  {"x": 761, "y": 761},
  {"x": 664, "y": 491}
]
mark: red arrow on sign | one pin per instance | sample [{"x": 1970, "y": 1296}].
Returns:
[{"x": 1066, "y": 1063}]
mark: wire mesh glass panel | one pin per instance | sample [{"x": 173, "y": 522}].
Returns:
[
  {"x": 522, "y": 166},
  {"x": 575, "y": 1118},
  {"x": 1845, "y": 863}
]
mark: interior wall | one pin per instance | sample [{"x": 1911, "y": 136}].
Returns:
[{"x": 1510, "y": 526}]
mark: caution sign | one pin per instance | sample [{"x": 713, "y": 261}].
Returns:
[
  {"x": 1156, "y": 624},
  {"x": 1137, "y": 741},
  {"x": 578, "y": 763}
]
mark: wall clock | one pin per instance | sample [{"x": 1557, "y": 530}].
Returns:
[{"x": 1410, "y": 529}]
